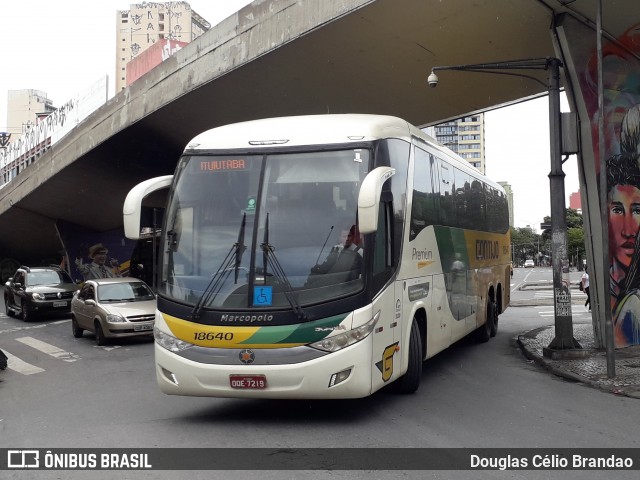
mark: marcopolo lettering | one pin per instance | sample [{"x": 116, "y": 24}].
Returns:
[
  {"x": 487, "y": 250},
  {"x": 246, "y": 318}
]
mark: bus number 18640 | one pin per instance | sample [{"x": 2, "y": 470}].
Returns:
[{"x": 213, "y": 336}]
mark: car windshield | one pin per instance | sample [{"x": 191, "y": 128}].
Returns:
[
  {"x": 124, "y": 292},
  {"x": 48, "y": 277}
]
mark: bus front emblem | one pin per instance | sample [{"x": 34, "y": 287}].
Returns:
[{"x": 247, "y": 356}]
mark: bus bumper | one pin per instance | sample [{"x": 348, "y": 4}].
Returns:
[{"x": 310, "y": 379}]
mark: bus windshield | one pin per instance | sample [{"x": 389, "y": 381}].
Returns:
[{"x": 273, "y": 230}]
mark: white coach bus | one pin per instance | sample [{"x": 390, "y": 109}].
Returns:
[{"x": 321, "y": 256}]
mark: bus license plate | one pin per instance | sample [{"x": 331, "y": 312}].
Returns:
[{"x": 257, "y": 382}]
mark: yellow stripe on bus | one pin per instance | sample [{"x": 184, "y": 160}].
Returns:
[
  {"x": 485, "y": 249},
  {"x": 227, "y": 336}
]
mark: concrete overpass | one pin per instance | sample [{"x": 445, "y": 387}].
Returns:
[{"x": 284, "y": 57}]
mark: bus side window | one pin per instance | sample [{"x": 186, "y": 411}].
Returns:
[
  {"x": 424, "y": 209},
  {"x": 383, "y": 263},
  {"x": 447, "y": 194}
]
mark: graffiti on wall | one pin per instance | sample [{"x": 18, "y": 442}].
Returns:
[{"x": 621, "y": 114}]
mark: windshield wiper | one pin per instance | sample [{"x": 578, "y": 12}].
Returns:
[
  {"x": 269, "y": 258},
  {"x": 224, "y": 270}
]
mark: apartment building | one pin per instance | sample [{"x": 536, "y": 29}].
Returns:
[
  {"x": 24, "y": 109},
  {"x": 147, "y": 23},
  {"x": 465, "y": 136},
  {"x": 509, "y": 191}
]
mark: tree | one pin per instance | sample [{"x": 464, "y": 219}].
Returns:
[
  {"x": 524, "y": 242},
  {"x": 575, "y": 237}
]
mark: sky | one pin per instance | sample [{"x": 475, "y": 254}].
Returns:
[
  {"x": 517, "y": 137},
  {"x": 517, "y": 151}
]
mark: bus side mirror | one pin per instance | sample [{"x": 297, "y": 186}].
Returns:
[
  {"x": 133, "y": 203},
  {"x": 369, "y": 198}
]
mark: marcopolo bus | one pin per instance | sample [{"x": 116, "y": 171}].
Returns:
[{"x": 320, "y": 256}]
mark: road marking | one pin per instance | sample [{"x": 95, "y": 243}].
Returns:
[
  {"x": 17, "y": 329},
  {"x": 550, "y": 295},
  {"x": 20, "y": 366},
  {"x": 576, "y": 311},
  {"x": 107, "y": 349},
  {"x": 49, "y": 349}
]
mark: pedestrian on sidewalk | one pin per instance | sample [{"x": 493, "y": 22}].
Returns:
[{"x": 585, "y": 288}]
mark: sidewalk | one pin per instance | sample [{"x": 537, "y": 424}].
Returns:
[{"x": 590, "y": 370}]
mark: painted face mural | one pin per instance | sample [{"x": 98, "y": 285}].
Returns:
[
  {"x": 623, "y": 179},
  {"x": 624, "y": 221},
  {"x": 621, "y": 118}
]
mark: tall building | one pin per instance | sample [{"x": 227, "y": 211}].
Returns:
[
  {"x": 24, "y": 109},
  {"x": 575, "y": 201},
  {"x": 144, "y": 24},
  {"x": 509, "y": 191},
  {"x": 464, "y": 136}
]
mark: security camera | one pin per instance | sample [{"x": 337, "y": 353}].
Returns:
[{"x": 433, "y": 80}]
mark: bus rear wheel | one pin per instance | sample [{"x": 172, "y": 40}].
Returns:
[
  {"x": 410, "y": 381},
  {"x": 493, "y": 312},
  {"x": 483, "y": 333}
]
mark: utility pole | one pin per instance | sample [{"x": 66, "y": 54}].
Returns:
[
  {"x": 564, "y": 344},
  {"x": 563, "y": 340}
]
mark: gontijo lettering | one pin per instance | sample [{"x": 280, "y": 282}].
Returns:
[{"x": 487, "y": 250}]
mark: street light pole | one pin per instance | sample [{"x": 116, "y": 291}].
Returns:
[
  {"x": 559, "y": 259},
  {"x": 564, "y": 344}
]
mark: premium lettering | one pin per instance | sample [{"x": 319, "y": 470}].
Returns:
[{"x": 421, "y": 254}]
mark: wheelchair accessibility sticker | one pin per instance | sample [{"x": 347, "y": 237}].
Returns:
[{"x": 262, "y": 296}]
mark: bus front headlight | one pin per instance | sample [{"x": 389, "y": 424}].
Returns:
[
  {"x": 170, "y": 342},
  {"x": 338, "y": 342}
]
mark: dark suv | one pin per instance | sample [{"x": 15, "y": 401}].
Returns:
[{"x": 35, "y": 290}]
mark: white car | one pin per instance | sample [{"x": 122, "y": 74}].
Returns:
[
  {"x": 113, "y": 308},
  {"x": 529, "y": 264}
]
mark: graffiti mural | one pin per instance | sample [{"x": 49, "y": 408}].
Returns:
[{"x": 621, "y": 115}]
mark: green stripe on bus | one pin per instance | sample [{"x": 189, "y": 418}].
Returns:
[{"x": 302, "y": 333}]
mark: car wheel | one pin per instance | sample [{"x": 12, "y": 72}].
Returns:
[
  {"x": 8, "y": 309},
  {"x": 410, "y": 381},
  {"x": 101, "y": 340},
  {"x": 75, "y": 328},
  {"x": 26, "y": 315}
]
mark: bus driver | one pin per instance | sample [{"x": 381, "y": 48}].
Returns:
[{"x": 345, "y": 258}]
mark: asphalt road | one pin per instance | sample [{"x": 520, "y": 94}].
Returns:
[{"x": 472, "y": 395}]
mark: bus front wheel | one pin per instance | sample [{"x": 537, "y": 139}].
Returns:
[{"x": 410, "y": 381}]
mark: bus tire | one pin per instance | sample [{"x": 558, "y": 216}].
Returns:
[
  {"x": 410, "y": 381},
  {"x": 493, "y": 312},
  {"x": 483, "y": 332}
]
